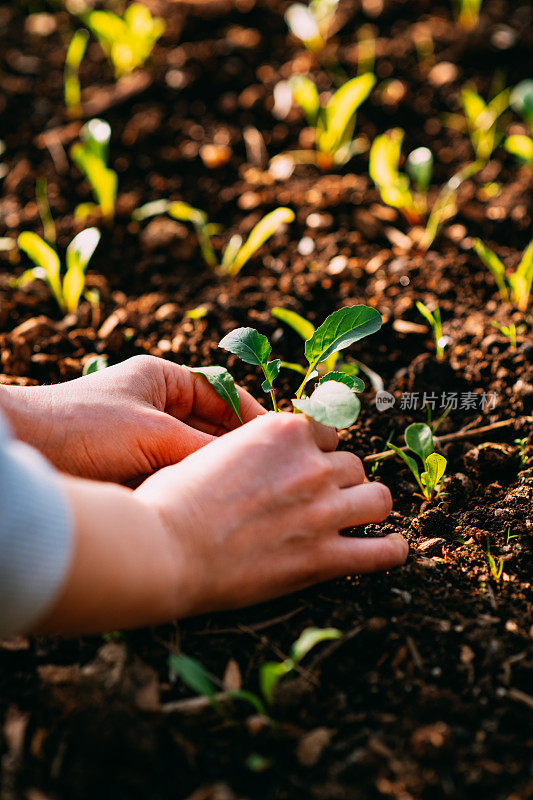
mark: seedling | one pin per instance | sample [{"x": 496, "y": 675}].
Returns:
[
  {"x": 76, "y": 51},
  {"x": 419, "y": 440},
  {"x": 496, "y": 568},
  {"x": 395, "y": 186},
  {"x": 128, "y": 40},
  {"x": 90, "y": 156},
  {"x": 333, "y": 123},
  {"x": 509, "y": 331},
  {"x": 482, "y": 120},
  {"x": 522, "y": 448},
  {"x": 514, "y": 287},
  {"x": 434, "y": 319},
  {"x": 236, "y": 254},
  {"x": 199, "y": 680},
  {"x": 67, "y": 290},
  {"x": 334, "y": 401},
  {"x": 95, "y": 364},
  {"x": 521, "y": 145},
  {"x": 467, "y": 13},
  {"x": 312, "y": 24}
]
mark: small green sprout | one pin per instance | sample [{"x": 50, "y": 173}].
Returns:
[
  {"x": 128, "y": 40},
  {"x": 393, "y": 185},
  {"x": 333, "y": 123},
  {"x": 509, "y": 331},
  {"x": 90, "y": 156},
  {"x": 482, "y": 120},
  {"x": 522, "y": 448},
  {"x": 515, "y": 287},
  {"x": 521, "y": 145},
  {"x": 236, "y": 253},
  {"x": 41, "y": 196},
  {"x": 434, "y": 319},
  {"x": 496, "y": 568},
  {"x": 272, "y": 672},
  {"x": 67, "y": 290},
  {"x": 95, "y": 364},
  {"x": 467, "y": 13},
  {"x": 312, "y": 24},
  {"x": 419, "y": 440},
  {"x": 75, "y": 53},
  {"x": 334, "y": 401}
]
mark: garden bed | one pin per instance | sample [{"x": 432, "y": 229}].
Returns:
[{"x": 428, "y": 694}]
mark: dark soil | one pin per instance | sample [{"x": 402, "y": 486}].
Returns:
[{"x": 429, "y": 694}]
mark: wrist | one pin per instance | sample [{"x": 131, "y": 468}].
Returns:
[{"x": 29, "y": 411}]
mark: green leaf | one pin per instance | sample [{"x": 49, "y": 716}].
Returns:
[
  {"x": 152, "y": 209},
  {"x": 521, "y": 146},
  {"x": 270, "y": 675},
  {"x": 332, "y": 403},
  {"x": 94, "y": 364},
  {"x": 247, "y": 343},
  {"x": 223, "y": 384},
  {"x": 340, "y": 330},
  {"x": 294, "y": 367},
  {"x": 411, "y": 463},
  {"x": 248, "y": 697},
  {"x": 419, "y": 167},
  {"x": 309, "y": 638},
  {"x": 351, "y": 381},
  {"x": 193, "y": 674},
  {"x": 302, "y": 326},
  {"x": 522, "y": 100},
  {"x": 79, "y": 253},
  {"x": 494, "y": 265},
  {"x": 473, "y": 105},
  {"x": 419, "y": 439},
  {"x": 271, "y": 370},
  {"x": 435, "y": 469},
  {"x": 522, "y": 279},
  {"x": 186, "y": 213},
  {"x": 341, "y": 108},
  {"x": 44, "y": 257},
  {"x": 385, "y": 157},
  {"x": 305, "y": 94},
  {"x": 264, "y": 229},
  {"x": 303, "y": 25}
]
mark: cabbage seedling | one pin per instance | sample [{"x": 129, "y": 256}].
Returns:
[
  {"x": 73, "y": 59},
  {"x": 236, "y": 253},
  {"x": 520, "y": 144},
  {"x": 515, "y": 287},
  {"x": 333, "y": 123},
  {"x": 90, "y": 156},
  {"x": 128, "y": 40},
  {"x": 312, "y": 24},
  {"x": 334, "y": 401},
  {"x": 394, "y": 186},
  {"x": 509, "y": 331},
  {"x": 419, "y": 440},
  {"x": 68, "y": 289},
  {"x": 482, "y": 120},
  {"x": 467, "y": 13},
  {"x": 434, "y": 319}
]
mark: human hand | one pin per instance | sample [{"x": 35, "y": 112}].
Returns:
[
  {"x": 257, "y": 514},
  {"x": 125, "y": 422}
]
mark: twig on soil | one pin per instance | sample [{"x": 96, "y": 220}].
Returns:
[
  {"x": 259, "y": 626},
  {"x": 328, "y": 651},
  {"x": 521, "y": 697},
  {"x": 417, "y": 658},
  {"x": 459, "y": 436},
  {"x": 302, "y": 671}
]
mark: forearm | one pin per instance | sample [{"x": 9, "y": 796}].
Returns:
[
  {"x": 124, "y": 571},
  {"x": 29, "y": 411}
]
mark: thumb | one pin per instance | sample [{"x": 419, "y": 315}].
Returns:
[{"x": 170, "y": 440}]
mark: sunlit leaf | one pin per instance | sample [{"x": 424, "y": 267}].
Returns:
[
  {"x": 340, "y": 330},
  {"x": 305, "y": 94},
  {"x": 302, "y": 326},
  {"x": 494, "y": 265},
  {"x": 271, "y": 370},
  {"x": 419, "y": 167},
  {"x": 264, "y": 229},
  {"x": 304, "y": 26},
  {"x": 270, "y": 675},
  {"x": 309, "y": 638},
  {"x": 419, "y": 439},
  {"x": 79, "y": 253},
  {"x": 353, "y": 382},
  {"x": 247, "y": 343},
  {"x": 341, "y": 108},
  {"x": 94, "y": 364},
  {"x": 435, "y": 469},
  {"x": 521, "y": 146},
  {"x": 332, "y": 403}
]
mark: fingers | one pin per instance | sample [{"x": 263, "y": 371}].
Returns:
[
  {"x": 249, "y": 407},
  {"x": 348, "y": 556},
  {"x": 348, "y": 468},
  {"x": 326, "y": 438},
  {"x": 368, "y": 502}
]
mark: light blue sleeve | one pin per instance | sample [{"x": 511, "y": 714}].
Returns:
[{"x": 35, "y": 535}]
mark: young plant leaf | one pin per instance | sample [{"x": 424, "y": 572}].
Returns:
[
  {"x": 264, "y": 229},
  {"x": 494, "y": 265},
  {"x": 193, "y": 674},
  {"x": 94, "y": 364},
  {"x": 305, "y": 94},
  {"x": 435, "y": 469},
  {"x": 303, "y": 25},
  {"x": 521, "y": 146},
  {"x": 151, "y": 209},
  {"x": 44, "y": 257},
  {"x": 79, "y": 253},
  {"x": 223, "y": 384},
  {"x": 419, "y": 440},
  {"x": 270, "y": 675},
  {"x": 332, "y": 403},
  {"x": 302, "y": 326},
  {"x": 251, "y": 347},
  {"x": 340, "y": 330},
  {"x": 309, "y": 638},
  {"x": 271, "y": 370},
  {"x": 411, "y": 463},
  {"x": 341, "y": 108},
  {"x": 521, "y": 280},
  {"x": 353, "y": 382}
]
